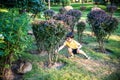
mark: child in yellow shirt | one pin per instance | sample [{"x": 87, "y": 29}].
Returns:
[{"x": 73, "y": 46}]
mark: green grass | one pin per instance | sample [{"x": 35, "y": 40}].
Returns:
[{"x": 80, "y": 68}]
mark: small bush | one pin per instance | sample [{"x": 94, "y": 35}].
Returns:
[
  {"x": 49, "y": 14},
  {"x": 80, "y": 28},
  {"x": 76, "y": 13},
  {"x": 111, "y": 8},
  {"x": 68, "y": 19},
  {"x": 82, "y": 8},
  {"x": 63, "y": 10}
]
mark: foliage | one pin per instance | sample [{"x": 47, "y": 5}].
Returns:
[
  {"x": 68, "y": 19},
  {"x": 33, "y": 6},
  {"x": 49, "y": 14},
  {"x": 80, "y": 28},
  {"x": 102, "y": 25},
  {"x": 48, "y": 34},
  {"x": 13, "y": 30},
  {"x": 100, "y": 1},
  {"x": 111, "y": 9},
  {"x": 65, "y": 2},
  {"x": 62, "y": 10},
  {"x": 82, "y": 8},
  {"x": 76, "y": 13}
]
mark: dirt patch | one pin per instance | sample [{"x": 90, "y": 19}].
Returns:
[
  {"x": 97, "y": 67},
  {"x": 56, "y": 65}
]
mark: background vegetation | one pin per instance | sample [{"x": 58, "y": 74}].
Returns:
[{"x": 15, "y": 43}]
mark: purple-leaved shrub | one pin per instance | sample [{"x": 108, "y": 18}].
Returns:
[
  {"x": 111, "y": 8},
  {"x": 102, "y": 25},
  {"x": 68, "y": 19},
  {"x": 76, "y": 13},
  {"x": 49, "y": 13},
  {"x": 48, "y": 35}
]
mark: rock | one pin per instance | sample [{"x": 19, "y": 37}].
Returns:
[{"x": 24, "y": 67}]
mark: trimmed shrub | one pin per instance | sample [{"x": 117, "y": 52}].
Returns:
[
  {"x": 63, "y": 10},
  {"x": 48, "y": 35},
  {"x": 102, "y": 25},
  {"x": 111, "y": 8},
  {"x": 49, "y": 14},
  {"x": 76, "y": 13},
  {"x": 80, "y": 28},
  {"x": 68, "y": 19}
]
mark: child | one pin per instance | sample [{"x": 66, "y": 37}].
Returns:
[{"x": 73, "y": 46}]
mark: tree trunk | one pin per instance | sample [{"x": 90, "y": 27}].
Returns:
[
  {"x": 101, "y": 46},
  {"x": 48, "y": 4}
]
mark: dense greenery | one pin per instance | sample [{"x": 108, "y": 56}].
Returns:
[
  {"x": 76, "y": 68},
  {"x": 13, "y": 28}
]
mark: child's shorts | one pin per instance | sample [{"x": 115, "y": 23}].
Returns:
[{"x": 74, "y": 51}]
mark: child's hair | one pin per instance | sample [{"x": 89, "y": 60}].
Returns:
[{"x": 70, "y": 34}]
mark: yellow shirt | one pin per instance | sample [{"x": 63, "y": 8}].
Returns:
[{"x": 72, "y": 44}]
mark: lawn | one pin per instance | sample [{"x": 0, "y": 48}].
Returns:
[{"x": 100, "y": 67}]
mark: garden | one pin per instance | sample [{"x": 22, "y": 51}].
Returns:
[{"x": 32, "y": 30}]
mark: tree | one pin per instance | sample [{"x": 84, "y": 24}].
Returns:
[
  {"x": 102, "y": 25},
  {"x": 48, "y": 35}
]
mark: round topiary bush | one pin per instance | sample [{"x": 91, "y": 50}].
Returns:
[
  {"x": 49, "y": 13},
  {"x": 111, "y": 9},
  {"x": 48, "y": 35},
  {"x": 68, "y": 19},
  {"x": 62, "y": 10},
  {"x": 102, "y": 25},
  {"x": 80, "y": 28},
  {"x": 76, "y": 13}
]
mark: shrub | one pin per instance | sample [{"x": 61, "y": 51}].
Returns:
[
  {"x": 102, "y": 25},
  {"x": 62, "y": 10},
  {"x": 80, "y": 28},
  {"x": 111, "y": 9},
  {"x": 65, "y": 2},
  {"x": 49, "y": 14},
  {"x": 82, "y": 8},
  {"x": 33, "y": 6},
  {"x": 13, "y": 31},
  {"x": 75, "y": 13},
  {"x": 69, "y": 20},
  {"x": 48, "y": 35}
]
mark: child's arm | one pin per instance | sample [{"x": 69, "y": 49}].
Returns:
[{"x": 60, "y": 48}]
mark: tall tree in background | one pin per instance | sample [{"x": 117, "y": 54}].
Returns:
[{"x": 48, "y": 4}]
